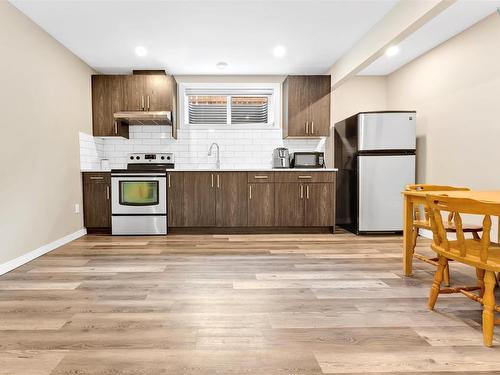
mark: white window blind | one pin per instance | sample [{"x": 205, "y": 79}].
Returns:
[{"x": 228, "y": 106}]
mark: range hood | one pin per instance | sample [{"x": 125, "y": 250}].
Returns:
[{"x": 144, "y": 117}]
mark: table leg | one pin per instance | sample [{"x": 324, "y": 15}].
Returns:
[{"x": 407, "y": 236}]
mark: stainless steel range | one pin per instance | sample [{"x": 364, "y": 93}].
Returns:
[{"x": 139, "y": 195}]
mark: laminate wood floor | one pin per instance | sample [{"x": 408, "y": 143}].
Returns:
[{"x": 236, "y": 304}]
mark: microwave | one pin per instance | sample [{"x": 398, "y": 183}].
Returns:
[{"x": 308, "y": 160}]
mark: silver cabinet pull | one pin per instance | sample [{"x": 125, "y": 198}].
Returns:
[
  {"x": 96, "y": 178},
  {"x": 116, "y": 128},
  {"x": 307, "y": 191},
  {"x": 148, "y": 102},
  {"x": 260, "y": 177},
  {"x": 307, "y": 127},
  {"x": 107, "y": 192},
  {"x": 169, "y": 184},
  {"x": 142, "y": 102},
  {"x": 218, "y": 181},
  {"x": 250, "y": 194},
  {"x": 305, "y": 177},
  {"x": 212, "y": 180},
  {"x": 301, "y": 191},
  {"x": 312, "y": 127}
]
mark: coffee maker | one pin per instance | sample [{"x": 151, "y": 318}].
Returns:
[{"x": 281, "y": 158}]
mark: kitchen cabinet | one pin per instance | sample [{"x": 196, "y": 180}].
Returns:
[
  {"x": 199, "y": 199},
  {"x": 306, "y": 106},
  {"x": 319, "y": 206},
  {"x": 288, "y": 204},
  {"x": 231, "y": 199},
  {"x": 175, "y": 199},
  {"x": 148, "y": 92},
  {"x": 97, "y": 200},
  {"x": 260, "y": 204},
  {"x": 106, "y": 100}
]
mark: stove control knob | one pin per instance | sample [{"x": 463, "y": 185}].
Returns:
[
  {"x": 131, "y": 158},
  {"x": 137, "y": 157},
  {"x": 168, "y": 157},
  {"x": 163, "y": 158}
]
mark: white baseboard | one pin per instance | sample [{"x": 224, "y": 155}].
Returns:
[{"x": 23, "y": 259}]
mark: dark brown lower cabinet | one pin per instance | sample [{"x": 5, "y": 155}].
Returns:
[
  {"x": 199, "y": 199},
  {"x": 231, "y": 199},
  {"x": 97, "y": 200},
  {"x": 288, "y": 204},
  {"x": 319, "y": 205},
  {"x": 175, "y": 199},
  {"x": 260, "y": 205}
]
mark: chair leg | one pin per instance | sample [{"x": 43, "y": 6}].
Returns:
[
  {"x": 414, "y": 235},
  {"x": 446, "y": 276},
  {"x": 475, "y": 235},
  {"x": 488, "y": 307},
  {"x": 480, "y": 280},
  {"x": 438, "y": 278}
]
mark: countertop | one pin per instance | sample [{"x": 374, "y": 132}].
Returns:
[{"x": 238, "y": 170}]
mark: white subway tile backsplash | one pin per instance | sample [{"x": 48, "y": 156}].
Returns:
[{"x": 239, "y": 147}]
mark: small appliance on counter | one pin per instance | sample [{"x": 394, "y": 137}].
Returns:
[
  {"x": 139, "y": 195},
  {"x": 281, "y": 158},
  {"x": 308, "y": 160}
]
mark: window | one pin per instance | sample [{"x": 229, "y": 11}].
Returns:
[{"x": 229, "y": 106}]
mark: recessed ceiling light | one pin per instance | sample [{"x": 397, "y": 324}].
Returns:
[
  {"x": 392, "y": 51},
  {"x": 141, "y": 51},
  {"x": 279, "y": 51},
  {"x": 221, "y": 65}
]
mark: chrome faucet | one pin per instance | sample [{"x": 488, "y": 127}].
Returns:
[{"x": 217, "y": 163}]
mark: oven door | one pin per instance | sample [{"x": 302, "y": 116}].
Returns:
[{"x": 138, "y": 194}]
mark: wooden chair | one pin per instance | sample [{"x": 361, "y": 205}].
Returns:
[
  {"x": 478, "y": 253},
  {"x": 421, "y": 221}
]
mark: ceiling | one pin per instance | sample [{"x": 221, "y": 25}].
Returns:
[
  {"x": 191, "y": 37},
  {"x": 455, "y": 19}
]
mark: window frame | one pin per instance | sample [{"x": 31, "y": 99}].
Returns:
[{"x": 274, "y": 110}]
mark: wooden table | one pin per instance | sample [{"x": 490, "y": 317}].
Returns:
[{"x": 418, "y": 197}]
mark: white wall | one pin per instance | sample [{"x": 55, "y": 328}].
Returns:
[{"x": 45, "y": 101}]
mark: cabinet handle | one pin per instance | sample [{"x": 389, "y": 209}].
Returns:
[
  {"x": 218, "y": 182},
  {"x": 142, "y": 102},
  {"x": 307, "y": 127},
  {"x": 312, "y": 127},
  {"x": 301, "y": 191},
  {"x": 307, "y": 191},
  {"x": 169, "y": 184},
  {"x": 260, "y": 177},
  {"x": 107, "y": 192},
  {"x": 116, "y": 128},
  {"x": 96, "y": 178},
  {"x": 212, "y": 180},
  {"x": 304, "y": 177},
  {"x": 250, "y": 196},
  {"x": 148, "y": 102}
]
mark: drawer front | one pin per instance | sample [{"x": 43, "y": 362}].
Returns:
[
  {"x": 97, "y": 177},
  {"x": 256, "y": 177},
  {"x": 304, "y": 177}
]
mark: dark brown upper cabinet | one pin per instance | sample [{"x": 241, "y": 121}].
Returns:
[
  {"x": 142, "y": 91},
  {"x": 306, "y": 106},
  {"x": 107, "y": 99}
]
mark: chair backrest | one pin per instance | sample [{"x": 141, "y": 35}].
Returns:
[
  {"x": 457, "y": 206},
  {"x": 427, "y": 187}
]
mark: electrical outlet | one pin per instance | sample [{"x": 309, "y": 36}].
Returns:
[{"x": 77, "y": 208}]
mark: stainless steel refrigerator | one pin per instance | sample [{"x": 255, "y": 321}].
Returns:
[{"x": 375, "y": 156}]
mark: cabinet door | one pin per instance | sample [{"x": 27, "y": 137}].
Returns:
[
  {"x": 159, "y": 93},
  {"x": 134, "y": 98},
  {"x": 289, "y": 204},
  {"x": 199, "y": 199},
  {"x": 175, "y": 194},
  {"x": 297, "y": 99},
  {"x": 260, "y": 205},
  {"x": 231, "y": 198},
  {"x": 319, "y": 205},
  {"x": 96, "y": 200},
  {"x": 107, "y": 98},
  {"x": 319, "y": 107}
]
